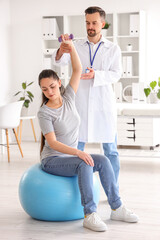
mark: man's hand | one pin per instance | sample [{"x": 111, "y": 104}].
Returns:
[{"x": 88, "y": 75}]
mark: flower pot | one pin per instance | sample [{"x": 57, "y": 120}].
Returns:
[
  {"x": 24, "y": 112},
  {"x": 129, "y": 47},
  {"x": 104, "y": 32},
  {"x": 153, "y": 98}
]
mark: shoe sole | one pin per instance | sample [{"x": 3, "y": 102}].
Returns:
[
  {"x": 122, "y": 220},
  {"x": 96, "y": 229}
]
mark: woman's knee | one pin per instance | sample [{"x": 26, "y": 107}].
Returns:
[
  {"x": 84, "y": 165},
  {"x": 101, "y": 161},
  {"x": 100, "y": 158}
]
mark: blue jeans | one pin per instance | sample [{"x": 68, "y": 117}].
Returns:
[
  {"x": 111, "y": 152},
  {"x": 71, "y": 166}
]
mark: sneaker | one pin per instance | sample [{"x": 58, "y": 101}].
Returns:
[
  {"x": 124, "y": 214},
  {"x": 93, "y": 222}
]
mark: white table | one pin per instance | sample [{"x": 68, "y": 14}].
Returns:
[{"x": 133, "y": 109}]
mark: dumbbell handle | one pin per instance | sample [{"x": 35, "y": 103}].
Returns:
[{"x": 70, "y": 37}]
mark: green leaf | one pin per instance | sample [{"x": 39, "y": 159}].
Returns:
[
  {"x": 153, "y": 84},
  {"x": 158, "y": 94},
  {"x": 147, "y": 91},
  {"x": 29, "y": 84},
  {"x": 30, "y": 94},
  {"x": 22, "y": 98},
  {"x": 106, "y": 26},
  {"x": 17, "y": 93},
  {"x": 24, "y": 85},
  {"x": 27, "y": 101},
  {"x": 30, "y": 98},
  {"x": 26, "y": 104},
  {"x": 159, "y": 81}
]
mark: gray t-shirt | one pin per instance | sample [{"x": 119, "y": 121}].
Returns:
[{"x": 64, "y": 122}]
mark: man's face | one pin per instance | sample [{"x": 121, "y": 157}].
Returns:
[{"x": 94, "y": 24}]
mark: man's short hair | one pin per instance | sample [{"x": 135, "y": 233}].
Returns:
[{"x": 95, "y": 9}]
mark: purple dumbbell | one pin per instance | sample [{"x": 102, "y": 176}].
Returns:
[{"x": 70, "y": 37}]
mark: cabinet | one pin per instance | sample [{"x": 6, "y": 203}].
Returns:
[
  {"x": 138, "y": 131},
  {"x": 131, "y": 30},
  {"x": 125, "y": 28}
]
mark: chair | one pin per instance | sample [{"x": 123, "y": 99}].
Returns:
[{"x": 10, "y": 118}]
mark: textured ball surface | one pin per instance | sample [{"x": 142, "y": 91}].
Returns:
[{"x": 52, "y": 198}]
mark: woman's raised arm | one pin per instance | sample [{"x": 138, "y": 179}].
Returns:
[{"x": 75, "y": 61}]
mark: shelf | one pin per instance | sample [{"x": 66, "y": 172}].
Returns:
[
  {"x": 50, "y": 39},
  {"x": 75, "y": 38},
  {"x": 133, "y": 77},
  {"x": 128, "y": 36},
  {"x": 78, "y": 38},
  {"x": 47, "y": 54},
  {"x": 130, "y": 51}
]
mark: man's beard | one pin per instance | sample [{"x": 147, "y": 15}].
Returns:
[{"x": 91, "y": 33}]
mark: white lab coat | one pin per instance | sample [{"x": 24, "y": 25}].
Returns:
[{"x": 95, "y": 100}]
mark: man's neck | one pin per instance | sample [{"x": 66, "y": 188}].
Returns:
[{"x": 95, "y": 39}]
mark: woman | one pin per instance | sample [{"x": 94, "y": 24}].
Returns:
[{"x": 59, "y": 122}]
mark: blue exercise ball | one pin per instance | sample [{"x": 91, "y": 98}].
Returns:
[{"x": 52, "y": 198}]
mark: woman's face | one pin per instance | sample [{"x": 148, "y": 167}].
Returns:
[{"x": 50, "y": 88}]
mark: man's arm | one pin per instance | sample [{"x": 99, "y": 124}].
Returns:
[
  {"x": 106, "y": 76},
  {"x": 59, "y": 54}
]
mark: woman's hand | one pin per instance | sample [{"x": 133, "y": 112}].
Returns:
[
  {"x": 66, "y": 45},
  {"x": 85, "y": 157}
]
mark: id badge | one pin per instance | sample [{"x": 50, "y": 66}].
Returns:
[{"x": 87, "y": 70}]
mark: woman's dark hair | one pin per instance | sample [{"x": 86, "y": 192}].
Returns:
[
  {"x": 95, "y": 9},
  {"x": 48, "y": 73}
]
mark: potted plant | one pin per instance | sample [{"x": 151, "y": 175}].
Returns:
[
  {"x": 26, "y": 96},
  {"x": 105, "y": 28},
  {"x": 153, "y": 90}
]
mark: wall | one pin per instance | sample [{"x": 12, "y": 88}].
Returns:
[
  {"x": 5, "y": 54},
  {"x": 27, "y": 44}
]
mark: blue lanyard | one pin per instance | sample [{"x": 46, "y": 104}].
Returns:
[{"x": 92, "y": 59}]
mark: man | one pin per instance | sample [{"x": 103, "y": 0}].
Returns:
[{"x": 101, "y": 61}]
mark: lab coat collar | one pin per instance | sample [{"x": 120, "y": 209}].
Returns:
[{"x": 106, "y": 42}]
